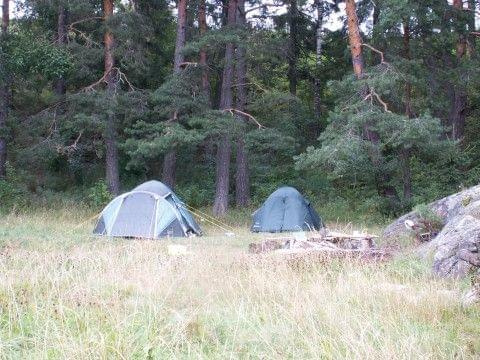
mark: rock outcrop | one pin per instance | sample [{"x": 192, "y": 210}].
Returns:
[{"x": 456, "y": 249}]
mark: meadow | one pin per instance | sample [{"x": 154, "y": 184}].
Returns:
[{"x": 65, "y": 294}]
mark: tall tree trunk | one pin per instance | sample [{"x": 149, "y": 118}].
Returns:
[
  {"x": 202, "y": 23},
  {"x": 60, "y": 84},
  {"x": 376, "y": 13},
  {"x": 405, "y": 153},
  {"x": 4, "y": 93},
  {"x": 293, "y": 46},
  {"x": 354, "y": 38},
  {"x": 319, "y": 43},
  {"x": 459, "y": 99},
  {"x": 407, "y": 55},
  {"x": 224, "y": 150},
  {"x": 242, "y": 180},
  {"x": 181, "y": 35},
  {"x": 170, "y": 159},
  {"x": 111, "y": 151}
]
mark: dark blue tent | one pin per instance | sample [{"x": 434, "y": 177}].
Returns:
[
  {"x": 286, "y": 210},
  {"x": 151, "y": 210}
]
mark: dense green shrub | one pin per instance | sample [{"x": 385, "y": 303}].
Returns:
[{"x": 98, "y": 195}]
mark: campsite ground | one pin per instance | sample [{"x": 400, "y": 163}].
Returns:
[{"x": 66, "y": 294}]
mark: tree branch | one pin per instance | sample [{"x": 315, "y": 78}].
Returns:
[
  {"x": 262, "y": 6},
  {"x": 84, "y": 20},
  {"x": 83, "y": 36},
  {"x": 121, "y": 77},
  {"x": 187, "y": 64},
  {"x": 65, "y": 150},
  {"x": 236, "y": 111},
  {"x": 382, "y": 57},
  {"x": 379, "y": 99}
]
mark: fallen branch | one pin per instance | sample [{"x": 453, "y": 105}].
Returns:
[{"x": 236, "y": 111}]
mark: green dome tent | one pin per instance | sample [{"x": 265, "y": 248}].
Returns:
[
  {"x": 286, "y": 210},
  {"x": 151, "y": 210}
]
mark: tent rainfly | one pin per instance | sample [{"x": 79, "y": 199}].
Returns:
[
  {"x": 286, "y": 210},
  {"x": 151, "y": 210}
]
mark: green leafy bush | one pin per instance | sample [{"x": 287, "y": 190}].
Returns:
[
  {"x": 98, "y": 195},
  {"x": 12, "y": 195},
  {"x": 195, "y": 195}
]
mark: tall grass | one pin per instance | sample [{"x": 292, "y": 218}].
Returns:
[{"x": 67, "y": 295}]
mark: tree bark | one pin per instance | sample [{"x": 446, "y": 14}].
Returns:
[
  {"x": 458, "y": 106},
  {"x": 220, "y": 205},
  {"x": 5, "y": 16},
  {"x": 202, "y": 23},
  {"x": 111, "y": 151},
  {"x": 60, "y": 84},
  {"x": 376, "y": 13},
  {"x": 170, "y": 159},
  {"x": 4, "y": 94},
  {"x": 242, "y": 180},
  {"x": 407, "y": 56},
  {"x": 405, "y": 153},
  {"x": 354, "y": 37},
  {"x": 181, "y": 35},
  {"x": 319, "y": 43},
  {"x": 293, "y": 46}
]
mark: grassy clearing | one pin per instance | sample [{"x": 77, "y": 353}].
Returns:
[{"x": 66, "y": 294}]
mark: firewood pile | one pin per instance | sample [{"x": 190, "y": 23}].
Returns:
[{"x": 329, "y": 243}]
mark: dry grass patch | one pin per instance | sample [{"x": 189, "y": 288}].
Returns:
[{"x": 65, "y": 294}]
